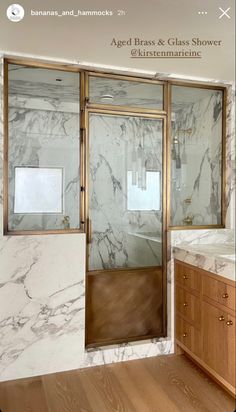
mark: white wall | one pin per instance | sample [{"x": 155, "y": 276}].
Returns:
[{"x": 89, "y": 38}]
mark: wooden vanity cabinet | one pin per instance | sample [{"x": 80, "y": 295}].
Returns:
[
  {"x": 218, "y": 341},
  {"x": 205, "y": 321}
]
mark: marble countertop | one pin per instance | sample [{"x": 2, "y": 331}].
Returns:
[
  {"x": 215, "y": 258},
  {"x": 155, "y": 237}
]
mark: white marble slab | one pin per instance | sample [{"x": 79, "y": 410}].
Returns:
[{"x": 216, "y": 258}]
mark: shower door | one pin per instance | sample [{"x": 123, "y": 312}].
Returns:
[{"x": 124, "y": 287}]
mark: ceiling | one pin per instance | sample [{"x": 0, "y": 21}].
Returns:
[{"x": 88, "y": 39}]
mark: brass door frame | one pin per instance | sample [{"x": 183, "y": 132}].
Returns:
[{"x": 165, "y": 241}]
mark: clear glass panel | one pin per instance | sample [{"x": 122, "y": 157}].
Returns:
[
  {"x": 125, "y": 93},
  {"x": 196, "y": 156},
  {"x": 44, "y": 149},
  {"x": 125, "y": 191}
]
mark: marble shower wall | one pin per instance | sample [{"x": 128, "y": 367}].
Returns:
[
  {"x": 198, "y": 176},
  {"x": 42, "y": 305},
  {"x": 122, "y": 237},
  {"x": 220, "y": 236},
  {"x": 44, "y": 132}
]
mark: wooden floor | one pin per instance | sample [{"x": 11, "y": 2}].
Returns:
[{"x": 161, "y": 384}]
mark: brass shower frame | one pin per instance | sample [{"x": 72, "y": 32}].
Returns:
[
  {"x": 85, "y": 105},
  {"x": 37, "y": 64},
  {"x": 209, "y": 86}
]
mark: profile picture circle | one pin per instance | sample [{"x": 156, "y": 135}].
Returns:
[{"x": 15, "y": 12}]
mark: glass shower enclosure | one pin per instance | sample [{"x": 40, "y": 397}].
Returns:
[{"x": 125, "y": 183}]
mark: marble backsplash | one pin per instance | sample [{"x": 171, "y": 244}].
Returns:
[{"x": 42, "y": 297}]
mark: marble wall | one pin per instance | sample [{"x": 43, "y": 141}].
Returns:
[
  {"x": 42, "y": 305},
  {"x": 44, "y": 133},
  {"x": 123, "y": 237},
  {"x": 196, "y": 173},
  {"x": 42, "y": 297}
]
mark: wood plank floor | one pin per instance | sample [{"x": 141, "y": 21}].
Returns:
[{"x": 160, "y": 384}]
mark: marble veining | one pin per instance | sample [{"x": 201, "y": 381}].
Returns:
[
  {"x": 112, "y": 141},
  {"x": 42, "y": 291},
  {"x": 216, "y": 258},
  {"x": 197, "y": 177},
  {"x": 40, "y": 83},
  {"x": 44, "y": 137},
  {"x": 125, "y": 93},
  {"x": 42, "y": 288}
]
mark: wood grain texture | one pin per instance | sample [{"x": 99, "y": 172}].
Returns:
[
  {"x": 188, "y": 305},
  {"x": 205, "y": 329},
  {"x": 219, "y": 342},
  {"x": 123, "y": 305},
  {"x": 219, "y": 292},
  {"x": 187, "y": 277},
  {"x": 160, "y": 384}
]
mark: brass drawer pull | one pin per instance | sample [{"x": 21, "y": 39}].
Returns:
[
  {"x": 185, "y": 304},
  {"x": 221, "y": 318},
  {"x": 185, "y": 277},
  {"x": 185, "y": 335},
  {"x": 229, "y": 323},
  {"x": 225, "y": 296}
]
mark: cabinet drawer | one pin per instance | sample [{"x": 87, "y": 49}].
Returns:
[
  {"x": 188, "y": 335},
  {"x": 219, "y": 292},
  {"x": 188, "y": 305},
  {"x": 188, "y": 277},
  {"x": 219, "y": 341}
]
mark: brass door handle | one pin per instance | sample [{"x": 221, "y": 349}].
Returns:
[
  {"x": 225, "y": 296},
  {"x": 89, "y": 231},
  {"x": 221, "y": 318},
  {"x": 229, "y": 323},
  {"x": 185, "y": 277},
  {"x": 185, "y": 304},
  {"x": 185, "y": 335}
]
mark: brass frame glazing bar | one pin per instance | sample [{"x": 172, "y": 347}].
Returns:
[
  {"x": 132, "y": 78},
  {"x": 124, "y": 108},
  {"x": 39, "y": 64}
]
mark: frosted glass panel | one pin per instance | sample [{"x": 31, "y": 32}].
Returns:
[
  {"x": 38, "y": 190},
  {"x": 125, "y": 179},
  {"x": 43, "y": 149},
  {"x": 125, "y": 93},
  {"x": 148, "y": 198}
]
